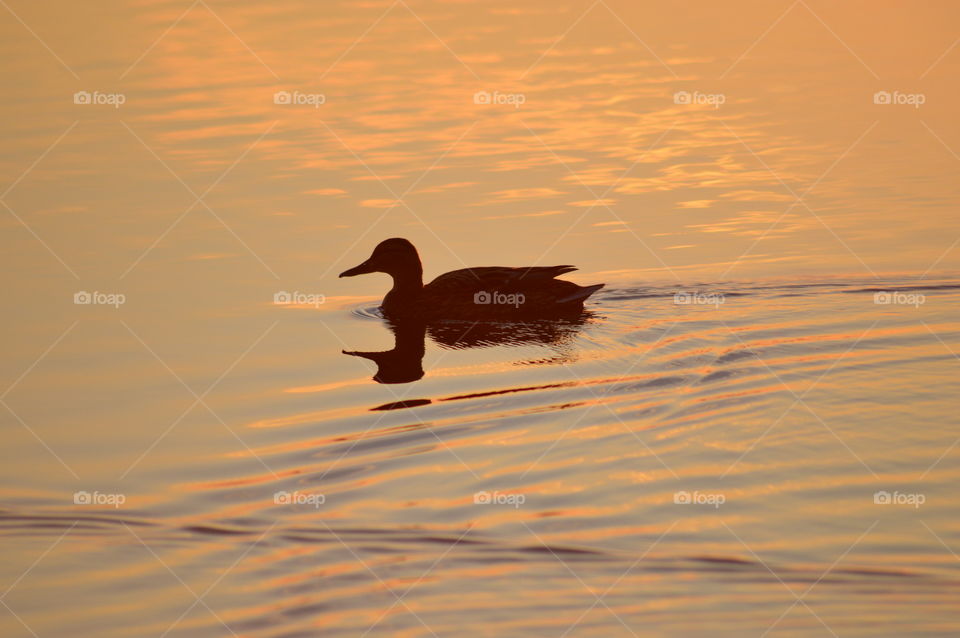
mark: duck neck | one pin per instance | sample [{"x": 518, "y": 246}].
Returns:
[{"x": 408, "y": 282}]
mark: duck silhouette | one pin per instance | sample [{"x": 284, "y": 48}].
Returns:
[{"x": 485, "y": 293}]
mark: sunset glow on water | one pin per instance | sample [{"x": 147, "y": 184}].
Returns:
[{"x": 751, "y": 430}]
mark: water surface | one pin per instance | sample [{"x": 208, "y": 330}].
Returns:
[{"x": 709, "y": 450}]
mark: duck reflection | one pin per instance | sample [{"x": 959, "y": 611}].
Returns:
[{"x": 404, "y": 362}]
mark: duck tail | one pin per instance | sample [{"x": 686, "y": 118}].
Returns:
[{"x": 581, "y": 294}]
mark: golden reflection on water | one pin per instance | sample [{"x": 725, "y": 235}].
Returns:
[
  {"x": 598, "y": 139},
  {"x": 487, "y": 134}
]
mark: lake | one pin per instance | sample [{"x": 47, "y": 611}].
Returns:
[{"x": 749, "y": 431}]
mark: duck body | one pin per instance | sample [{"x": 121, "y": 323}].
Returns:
[
  {"x": 492, "y": 292},
  {"x": 487, "y": 293}
]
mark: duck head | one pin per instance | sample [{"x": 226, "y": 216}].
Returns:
[{"x": 396, "y": 257}]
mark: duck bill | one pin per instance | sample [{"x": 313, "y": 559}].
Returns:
[{"x": 362, "y": 269}]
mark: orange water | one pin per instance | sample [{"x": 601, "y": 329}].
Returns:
[{"x": 253, "y": 480}]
